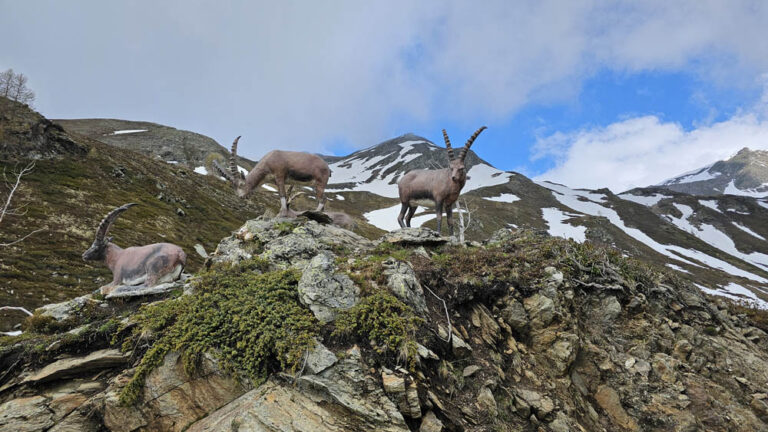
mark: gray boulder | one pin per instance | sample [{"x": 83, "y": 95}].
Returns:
[
  {"x": 404, "y": 284},
  {"x": 324, "y": 291}
]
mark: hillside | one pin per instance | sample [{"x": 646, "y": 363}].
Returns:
[
  {"x": 297, "y": 326},
  {"x": 151, "y": 139},
  {"x": 75, "y": 182}
]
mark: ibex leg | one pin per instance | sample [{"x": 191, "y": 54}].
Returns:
[
  {"x": 283, "y": 201},
  {"x": 320, "y": 192},
  {"x": 411, "y": 212},
  {"x": 449, "y": 217},
  {"x": 439, "y": 213},
  {"x": 403, "y": 209}
]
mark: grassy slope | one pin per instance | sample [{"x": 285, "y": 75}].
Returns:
[{"x": 69, "y": 196}]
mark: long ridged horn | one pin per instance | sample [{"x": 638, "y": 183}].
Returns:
[
  {"x": 109, "y": 219},
  {"x": 448, "y": 145},
  {"x": 471, "y": 140},
  {"x": 236, "y": 175},
  {"x": 221, "y": 171}
]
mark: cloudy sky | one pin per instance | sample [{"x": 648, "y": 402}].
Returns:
[{"x": 586, "y": 93}]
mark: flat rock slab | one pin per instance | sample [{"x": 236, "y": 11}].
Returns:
[
  {"x": 415, "y": 237},
  {"x": 125, "y": 291},
  {"x": 102, "y": 359}
]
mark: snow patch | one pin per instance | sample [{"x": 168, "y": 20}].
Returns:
[
  {"x": 701, "y": 174},
  {"x": 505, "y": 197},
  {"x": 269, "y": 188},
  {"x": 11, "y": 333},
  {"x": 386, "y": 218},
  {"x": 339, "y": 197},
  {"x": 677, "y": 268},
  {"x": 735, "y": 291},
  {"x": 748, "y": 231},
  {"x": 711, "y": 204},
  {"x": 731, "y": 189},
  {"x": 201, "y": 170},
  {"x": 556, "y": 218},
  {"x": 647, "y": 201},
  {"x": 127, "y": 131}
]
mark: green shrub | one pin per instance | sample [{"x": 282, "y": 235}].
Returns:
[
  {"x": 384, "y": 320},
  {"x": 252, "y": 322}
]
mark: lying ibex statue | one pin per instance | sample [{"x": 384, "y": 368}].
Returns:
[
  {"x": 149, "y": 265},
  {"x": 282, "y": 165},
  {"x": 441, "y": 186}
]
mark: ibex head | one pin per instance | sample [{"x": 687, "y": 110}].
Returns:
[
  {"x": 98, "y": 248},
  {"x": 234, "y": 175},
  {"x": 458, "y": 170}
]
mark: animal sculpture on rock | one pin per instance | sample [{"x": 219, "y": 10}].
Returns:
[
  {"x": 442, "y": 186},
  {"x": 148, "y": 265},
  {"x": 283, "y": 165}
]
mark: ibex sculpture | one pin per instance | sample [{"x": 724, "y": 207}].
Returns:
[
  {"x": 149, "y": 265},
  {"x": 442, "y": 186},
  {"x": 299, "y": 166}
]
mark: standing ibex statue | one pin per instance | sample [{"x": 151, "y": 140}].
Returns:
[
  {"x": 149, "y": 265},
  {"x": 299, "y": 166},
  {"x": 442, "y": 186}
]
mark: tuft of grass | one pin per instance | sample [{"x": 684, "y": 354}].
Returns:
[
  {"x": 252, "y": 322},
  {"x": 386, "y": 322}
]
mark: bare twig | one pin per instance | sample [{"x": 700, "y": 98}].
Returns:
[
  {"x": 21, "y": 239},
  {"x": 6, "y": 209},
  {"x": 18, "y": 308},
  {"x": 301, "y": 372},
  {"x": 447, "y": 317}
]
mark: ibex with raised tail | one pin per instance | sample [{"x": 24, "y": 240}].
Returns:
[
  {"x": 299, "y": 166},
  {"x": 442, "y": 186},
  {"x": 149, "y": 265}
]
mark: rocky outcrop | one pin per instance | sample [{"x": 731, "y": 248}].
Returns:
[
  {"x": 171, "y": 399},
  {"x": 536, "y": 346},
  {"x": 339, "y": 399}
]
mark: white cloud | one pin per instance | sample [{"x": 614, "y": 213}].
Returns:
[
  {"x": 643, "y": 151},
  {"x": 297, "y": 75}
]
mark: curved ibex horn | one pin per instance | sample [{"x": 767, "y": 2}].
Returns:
[
  {"x": 108, "y": 220},
  {"x": 448, "y": 145},
  {"x": 471, "y": 139},
  {"x": 222, "y": 172},
  {"x": 236, "y": 175}
]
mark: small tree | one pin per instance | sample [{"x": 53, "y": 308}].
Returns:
[
  {"x": 462, "y": 208},
  {"x": 12, "y": 186},
  {"x": 14, "y": 87}
]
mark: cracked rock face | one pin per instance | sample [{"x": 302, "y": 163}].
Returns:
[
  {"x": 342, "y": 398},
  {"x": 172, "y": 400}
]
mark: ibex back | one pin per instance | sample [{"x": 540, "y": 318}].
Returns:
[{"x": 299, "y": 166}]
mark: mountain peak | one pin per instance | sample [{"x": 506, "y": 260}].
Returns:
[{"x": 745, "y": 173}]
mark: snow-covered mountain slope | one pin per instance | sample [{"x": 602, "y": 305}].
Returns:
[
  {"x": 746, "y": 173},
  {"x": 377, "y": 169}
]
